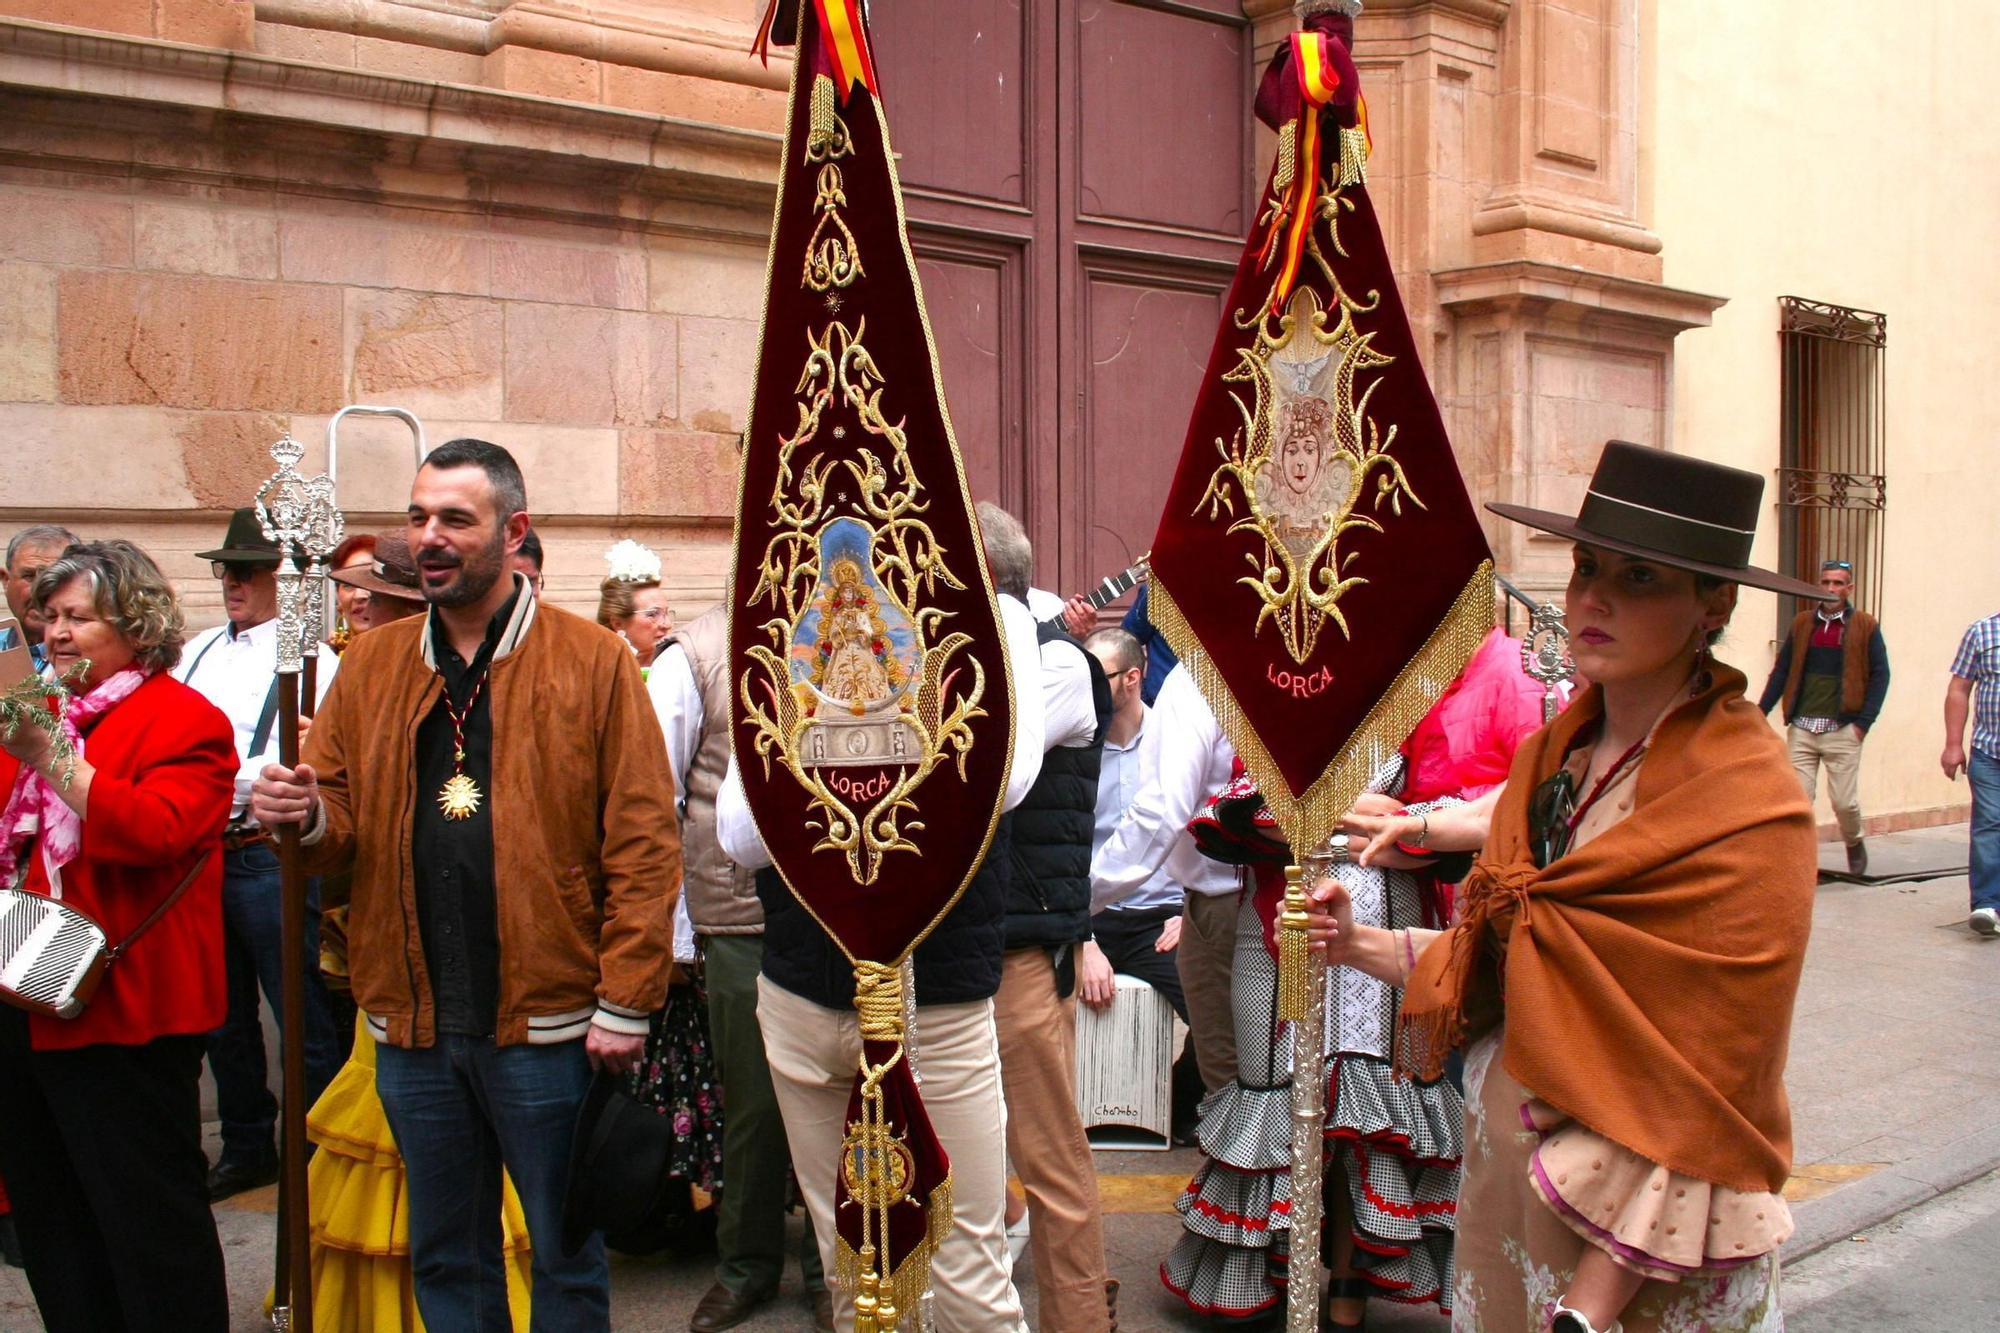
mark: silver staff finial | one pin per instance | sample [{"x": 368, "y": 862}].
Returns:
[{"x": 1545, "y": 655}]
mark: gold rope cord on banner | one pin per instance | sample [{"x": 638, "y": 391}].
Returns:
[{"x": 879, "y": 1171}]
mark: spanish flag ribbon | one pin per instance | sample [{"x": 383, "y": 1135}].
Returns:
[
  {"x": 840, "y": 22},
  {"x": 1293, "y": 218},
  {"x": 1318, "y": 80}
]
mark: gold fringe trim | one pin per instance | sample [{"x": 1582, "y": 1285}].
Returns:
[
  {"x": 891, "y": 1298},
  {"x": 1308, "y": 818}
]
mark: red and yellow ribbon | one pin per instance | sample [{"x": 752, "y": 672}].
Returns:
[
  {"x": 1317, "y": 80},
  {"x": 1317, "y": 84},
  {"x": 840, "y": 21}
]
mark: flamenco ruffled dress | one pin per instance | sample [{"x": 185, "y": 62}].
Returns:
[
  {"x": 360, "y": 1213},
  {"x": 1396, "y": 1144}
]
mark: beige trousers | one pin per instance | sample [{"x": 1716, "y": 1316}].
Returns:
[
  {"x": 1840, "y": 751},
  {"x": 1206, "y": 958},
  {"x": 813, "y": 1053},
  {"x": 1046, "y": 1143}
]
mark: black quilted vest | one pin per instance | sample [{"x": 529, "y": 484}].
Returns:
[
  {"x": 957, "y": 964},
  {"x": 1049, "y": 902}
]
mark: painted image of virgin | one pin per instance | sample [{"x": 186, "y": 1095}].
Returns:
[
  {"x": 1304, "y": 484},
  {"x": 854, "y": 663}
]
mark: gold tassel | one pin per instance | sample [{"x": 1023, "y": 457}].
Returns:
[
  {"x": 1354, "y": 156},
  {"x": 865, "y": 1302},
  {"x": 1288, "y": 158},
  {"x": 826, "y": 132},
  {"x": 1294, "y": 950}
]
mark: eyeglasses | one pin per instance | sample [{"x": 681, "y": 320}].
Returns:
[
  {"x": 654, "y": 613},
  {"x": 229, "y": 569},
  {"x": 1836, "y": 564}
]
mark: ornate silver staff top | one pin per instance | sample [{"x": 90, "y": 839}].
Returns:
[
  {"x": 1545, "y": 655},
  {"x": 298, "y": 513},
  {"x": 1307, "y": 8}
]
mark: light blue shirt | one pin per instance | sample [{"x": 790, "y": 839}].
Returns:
[{"x": 1118, "y": 781}]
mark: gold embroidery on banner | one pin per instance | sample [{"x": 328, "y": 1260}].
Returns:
[
  {"x": 856, "y": 692},
  {"x": 832, "y": 257},
  {"x": 826, "y": 134},
  {"x": 1309, "y": 464}
]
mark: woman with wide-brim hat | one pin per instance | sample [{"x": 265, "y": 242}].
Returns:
[
  {"x": 1628, "y": 948},
  {"x": 388, "y": 577}
]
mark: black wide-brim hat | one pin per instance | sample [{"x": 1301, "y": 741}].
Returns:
[
  {"x": 618, "y": 1163},
  {"x": 244, "y": 543},
  {"x": 1672, "y": 509}
]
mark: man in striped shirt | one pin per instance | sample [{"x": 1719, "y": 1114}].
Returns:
[{"x": 1975, "y": 688}]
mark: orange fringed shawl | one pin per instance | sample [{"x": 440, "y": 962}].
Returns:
[{"x": 1648, "y": 976}]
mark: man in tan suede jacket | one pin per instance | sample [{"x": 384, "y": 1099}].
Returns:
[{"x": 494, "y": 776}]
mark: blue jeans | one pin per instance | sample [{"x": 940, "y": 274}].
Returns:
[
  {"x": 253, "y": 956},
  {"x": 1983, "y": 771},
  {"x": 460, "y": 1110}
]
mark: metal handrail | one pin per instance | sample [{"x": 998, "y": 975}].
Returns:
[{"x": 1514, "y": 595}]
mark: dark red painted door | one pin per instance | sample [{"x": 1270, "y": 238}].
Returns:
[{"x": 1079, "y": 180}]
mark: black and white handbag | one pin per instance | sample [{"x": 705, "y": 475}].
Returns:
[{"x": 53, "y": 956}]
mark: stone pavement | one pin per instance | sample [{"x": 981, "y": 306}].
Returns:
[
  {"x": 1893, "y": 1086},
  {"x": 1930, "y": 1268}
]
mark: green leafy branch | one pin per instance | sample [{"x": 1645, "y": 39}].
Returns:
[{"x": 28, "y": 703}]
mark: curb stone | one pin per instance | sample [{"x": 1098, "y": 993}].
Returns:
[{"x": 1853, "y": 1209}]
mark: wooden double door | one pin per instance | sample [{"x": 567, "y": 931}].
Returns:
[{"x": 1079, "y": 180}]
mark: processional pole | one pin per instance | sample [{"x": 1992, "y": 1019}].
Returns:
[
  {"x": 299, "y": 515},
  {"x": 1302, "y": 1311}
]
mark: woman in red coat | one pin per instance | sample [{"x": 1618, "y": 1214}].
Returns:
[{"x": 100, "y": 1115}]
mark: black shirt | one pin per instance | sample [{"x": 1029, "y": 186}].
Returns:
[{"x": 453, "y": 858}]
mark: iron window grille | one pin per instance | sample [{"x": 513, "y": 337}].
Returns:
[{"x": 1833, "y": 486}]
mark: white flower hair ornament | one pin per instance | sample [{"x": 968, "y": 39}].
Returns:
[{"x": 633, "y": 563}]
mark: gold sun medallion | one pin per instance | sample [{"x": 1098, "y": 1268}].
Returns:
[{"x": 460, "y": 797}]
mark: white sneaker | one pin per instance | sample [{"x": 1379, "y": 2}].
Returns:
[{"x": 1984, "y": 921}]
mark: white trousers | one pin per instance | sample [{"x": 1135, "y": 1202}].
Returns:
[{"x": 813, "y": 1053}]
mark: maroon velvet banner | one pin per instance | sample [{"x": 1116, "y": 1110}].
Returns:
[
  {"x": 873, "y": 711},
  {"x": 1319, "y": 566}
]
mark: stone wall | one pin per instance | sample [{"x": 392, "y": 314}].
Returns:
[{"x": 221, "y": 221}]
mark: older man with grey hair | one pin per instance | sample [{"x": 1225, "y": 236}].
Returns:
[{"x": 28, "y": 552}]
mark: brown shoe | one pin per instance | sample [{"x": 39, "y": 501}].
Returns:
[
  {"x": 822, "y": 1307},
  {"x": 1857, "y": 858},
  {"x": 722, "y": 1308}
]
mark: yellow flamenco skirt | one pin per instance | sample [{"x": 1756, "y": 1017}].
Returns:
[{"x": 360, "y": 1213}]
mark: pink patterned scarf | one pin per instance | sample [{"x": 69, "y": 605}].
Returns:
[{"x": 35, "y": 806}]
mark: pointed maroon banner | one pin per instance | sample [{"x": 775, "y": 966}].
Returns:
[
  {"x": 873, "y": 711},
  {"x": 1319, "y": 567}
]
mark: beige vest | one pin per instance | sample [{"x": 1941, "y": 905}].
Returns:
[{"x": 721, "y": 895}]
